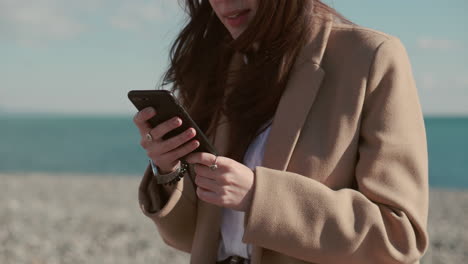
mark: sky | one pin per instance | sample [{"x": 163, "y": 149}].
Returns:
[{"x": 82, "y": 57}]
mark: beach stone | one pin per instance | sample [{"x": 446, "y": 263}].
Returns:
[{"x": 71, "y": 219}]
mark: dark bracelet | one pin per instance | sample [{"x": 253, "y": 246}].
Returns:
[{"x": 173, "y": 177}]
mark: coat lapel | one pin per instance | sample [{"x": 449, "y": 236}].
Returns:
[
  {"x": 209, "y": 217},
  {"x": 291, "y": 113},
  {"x": 207, "y": 234},
  {"x": 295, "y": 104}
]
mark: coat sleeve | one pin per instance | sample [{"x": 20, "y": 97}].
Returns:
[
  {"x": 172, "y": 209},
  {"x": 384, "y": 219}
]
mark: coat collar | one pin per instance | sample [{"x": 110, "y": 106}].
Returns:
[{"x": 298, "y": 97}]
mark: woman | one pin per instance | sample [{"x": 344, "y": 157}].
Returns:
[{"x": 321, "y": 139}]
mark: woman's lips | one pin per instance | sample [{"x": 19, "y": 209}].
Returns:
[{"x": 237, "y": 18}]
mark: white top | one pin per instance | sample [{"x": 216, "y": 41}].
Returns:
[{"x": 232, "y": 225}]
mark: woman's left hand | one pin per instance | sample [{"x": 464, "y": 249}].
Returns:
[{"x": 229, "y": 185}]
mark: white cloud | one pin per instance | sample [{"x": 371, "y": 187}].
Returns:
[
  {"x": 43, "y": 20},
  {"x": 37, "y": 20},
  {"x": 443, "y": 93},
  {"x": 430, "y": 43},
  {"x": 462, "y": 82},
  {"x": 137, "y": 14},
  {"x": 428, "y": 81}
]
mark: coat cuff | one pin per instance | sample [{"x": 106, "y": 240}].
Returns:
[{"x": 158, "y": 201}]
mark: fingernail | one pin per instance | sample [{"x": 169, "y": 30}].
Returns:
[{"x": 149, "y": 110}]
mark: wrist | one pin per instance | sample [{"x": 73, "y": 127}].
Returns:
[
  {"x": 170, "y": 170},
  {"x": 247, "y": 201},
  {"x": 171, "y": 177},
  {"x": 157, "y": 170}
]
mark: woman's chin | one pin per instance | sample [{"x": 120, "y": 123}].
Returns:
[{"x": 235, "y": 33}]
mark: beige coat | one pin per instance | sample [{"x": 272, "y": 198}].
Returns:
[{"x": 345, "y": 174}]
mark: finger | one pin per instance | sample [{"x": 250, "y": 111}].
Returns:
[
  {"x": 207, "y": 184},
  {"x": 208, "y": 196},
  {"x": 204, "y": 171},
  {"x": 178, "y": 140},
  {"x": 178, "y": 153},
  {"x": 160, "y": 130},
  {"x": 140, "y": 119},
  {"x": 204, "y": 158}
]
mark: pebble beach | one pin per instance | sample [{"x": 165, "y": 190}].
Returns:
[{"x": 71, "y": 219}]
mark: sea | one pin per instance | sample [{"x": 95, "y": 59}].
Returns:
[{"x": 88, "y": 145}]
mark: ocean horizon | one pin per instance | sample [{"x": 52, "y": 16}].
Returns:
[{"x": 109, "y": 145}]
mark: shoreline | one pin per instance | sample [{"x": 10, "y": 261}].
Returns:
[{"x": 86, "y": 218}]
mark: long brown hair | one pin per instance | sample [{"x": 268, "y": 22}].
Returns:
[{"x": 201, "y": 53}]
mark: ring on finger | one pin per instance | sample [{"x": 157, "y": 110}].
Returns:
[
  {"x": 149, "y": 137},
  {"x": 214, "y": 166}
]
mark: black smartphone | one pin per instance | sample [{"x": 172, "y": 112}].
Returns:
[{"x": 167, "y": 107}]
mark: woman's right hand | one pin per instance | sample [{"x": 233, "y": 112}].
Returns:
[{"x": 164, "y": 153}]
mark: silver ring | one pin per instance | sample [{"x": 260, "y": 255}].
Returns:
[
  {"x": 214, "y": 166},
  {"x": 149, "y": 137}
]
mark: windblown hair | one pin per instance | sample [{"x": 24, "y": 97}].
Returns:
[{"x": 200, "y": 57}]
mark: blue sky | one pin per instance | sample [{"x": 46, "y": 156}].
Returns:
[{"x": 65, "y": 56}]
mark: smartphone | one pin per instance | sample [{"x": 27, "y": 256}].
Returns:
[{"x": 167, "y": 107}]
